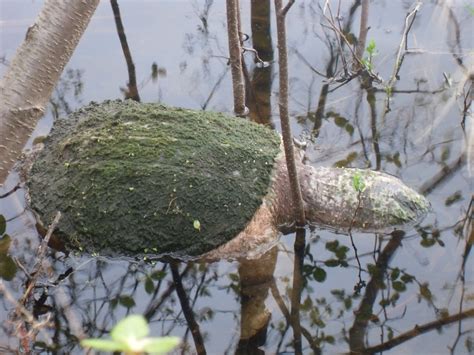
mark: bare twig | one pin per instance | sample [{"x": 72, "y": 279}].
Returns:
[
  {"x": 402, "y": 50},
  {"x": 132, "y": 78},
  {"x": 24, "y": 316},
  {"x": 40, "y": 256},
  {"x": 8, "y": 193}
]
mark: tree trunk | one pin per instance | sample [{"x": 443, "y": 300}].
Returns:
[
  {"x": 235, "y": 52},
  {"x": 32, "y": 75},
  {"x": 297, "y": 198}
]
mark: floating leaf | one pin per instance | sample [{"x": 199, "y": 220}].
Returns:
[
  {"x": 133, "y": 326},
  {"x": 102, "y": 344},
  {"x": 161, "y": 345}
]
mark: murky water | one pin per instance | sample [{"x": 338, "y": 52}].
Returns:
[{"x": 418, "y": 295}]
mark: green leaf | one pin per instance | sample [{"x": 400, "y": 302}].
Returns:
[
  {"x": 427, "y": 242},
  {"x": 134, "y": 326},
  {"x": 399, "y": 286},
  {"x": 407, "y": 278},
  {"x": 332, "y": 263},
  {"x": 390, "y": 334},
  {"x": 8, "y": 267},
  {"x": 3, "y": 224},
  {"x": 149, "y": 285},
  {"x": 341, "y": 252},
  {"x": 340, "y": 121},
  {"x": 126, "y": 301},
  {"x": 197, "y": 225},
  {"x": 5, "y": 242},
  {"x": 154, "y": 71},
  {"x": 349, "y": 129},
  {"x": 332, "y": 246},
  {"x": 358, "y": 182},
  {"x": 395, "y": 274},
  {"x": 319, "y": 274},
  {"x": 158, "y": 275},
  {"x": 425, "y": 292},
  {"x": 161, "y": 345},
  {"x": 455, "y": 197},
  {"x": 102, "y": 344},
  {"x": 329, "y": 339},
  {"x": 371, "y": 47}
]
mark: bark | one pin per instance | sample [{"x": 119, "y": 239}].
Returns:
[
  {"x": 363, "y": 30},
  {"x": 235, "y": 53},
  {"x": 32, "y": 75},
  {"x": 297, "y": 198},
  {"x": 259, "y": 102},
  {"x": 132, "y": 78}
]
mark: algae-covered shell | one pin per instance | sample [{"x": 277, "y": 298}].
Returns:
[{"x": 132, "y": 178}]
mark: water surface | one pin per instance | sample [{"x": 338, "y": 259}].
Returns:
[{"x": 301, "y": 289}]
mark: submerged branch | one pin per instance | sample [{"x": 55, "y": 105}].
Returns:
[
  {"x": 187, "y": 310},
  {"x": 420, "y": 329}
]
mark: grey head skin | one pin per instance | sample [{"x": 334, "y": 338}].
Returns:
[{"x": 342, "y": 199}]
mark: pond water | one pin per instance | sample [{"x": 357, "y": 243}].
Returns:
[{"x": 417, "y": 294}]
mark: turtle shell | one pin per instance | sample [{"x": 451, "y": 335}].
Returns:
[{"x": 132, "y": 178}]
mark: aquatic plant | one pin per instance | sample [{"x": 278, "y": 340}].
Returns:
[{"x": 130, "y": 336}]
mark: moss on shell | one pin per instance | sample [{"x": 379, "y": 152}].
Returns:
[{"x": 130, "y": 177}]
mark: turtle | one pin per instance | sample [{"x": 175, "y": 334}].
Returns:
[{"x": 132, "y": 178}]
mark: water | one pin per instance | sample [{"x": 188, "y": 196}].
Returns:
[{"x": 246, "y": 306}]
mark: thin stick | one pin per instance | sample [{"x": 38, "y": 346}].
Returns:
[
  {"x": 187, "y": 310},
  {"x": 132, "y": 78}
]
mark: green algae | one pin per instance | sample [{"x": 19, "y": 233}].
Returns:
[{"x": 130, "y": 177}]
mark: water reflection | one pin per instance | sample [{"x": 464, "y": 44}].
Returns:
[{"x": 298, "y": 297}]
